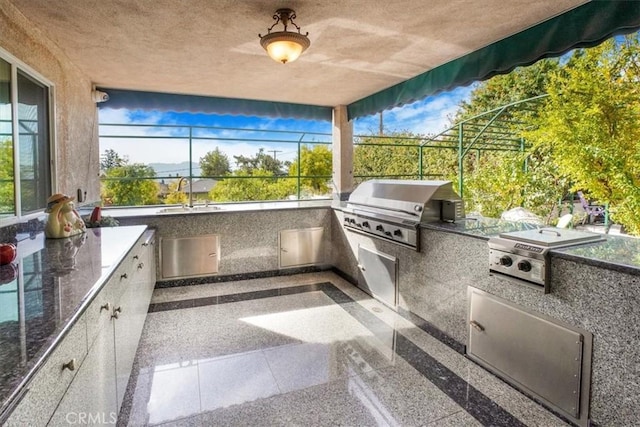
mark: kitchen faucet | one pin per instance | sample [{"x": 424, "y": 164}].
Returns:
[{"x": 179, "y": 188}]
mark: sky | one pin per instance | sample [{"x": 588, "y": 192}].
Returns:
[{"x": 428, "y": 116}]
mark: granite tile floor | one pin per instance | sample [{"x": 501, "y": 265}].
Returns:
[{"x": 308, "y": 350}]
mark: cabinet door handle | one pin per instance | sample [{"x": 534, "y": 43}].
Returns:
[
  {"x": 70, "y": 365},
  {"x": 284, "y": 250},
  {"x": 477, "y": 325},
  {"x": 141, "y": 265},
  {"x": 212, "y": 254},
  {"x": 116, "y": 312},
  {"x": 105, "y": 306},
  {"x": 145, "y": 244},
  {"x": 136, "y": 257},
  {"x": 123, "y": 276},
  {"x": 361, "y": 267}
]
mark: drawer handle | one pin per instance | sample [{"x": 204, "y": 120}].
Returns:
[
  {"x": 477, "y": 326},
  {"x": 212, "y": 254},
  {"x": 123, "y": 276},
  {"x": 70, "y": 365},
  {"x": 145, "y": 244},
  {"x": 105, "y": 306},
  {"x": 361, "y": 267},
  {"x": 284, "y": 250},
  {"x": 136, "y": 257},
  {"x": 141, "y": 265},
  {"x": 116, "y": 312}
]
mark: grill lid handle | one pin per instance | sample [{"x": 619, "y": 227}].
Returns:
[{"x": 542, "y": 230}]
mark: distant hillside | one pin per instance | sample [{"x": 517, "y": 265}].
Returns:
[{"x": 173, "y": 169}]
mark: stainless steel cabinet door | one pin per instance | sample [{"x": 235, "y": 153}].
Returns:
[
  {"x": 539, "y": 355},
  {"x": 190, "y": 256},
  {"x": 300, "y": 247},
  {"x": 378, "y": 275}
]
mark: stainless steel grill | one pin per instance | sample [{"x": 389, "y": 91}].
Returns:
[
  {"x": 393, "y": 209},
  {"x": 524, "y": 255}
]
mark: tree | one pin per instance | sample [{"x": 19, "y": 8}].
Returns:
[
  {"x": 7, "y": 190},
  {"x": 261, "y": 161},
  {"x": 111, "y": 159},
  {"x": 215, "y": 163},
  {"x": 314, "y": 162},
  {"x": 130, "y": 185},
  {"x": 590, "y": 125},
  {"x": 259, "y": 185},
  {"x": 495, "y": 181}
]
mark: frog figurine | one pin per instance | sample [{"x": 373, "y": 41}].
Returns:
[{"x": 63, "y": 220}]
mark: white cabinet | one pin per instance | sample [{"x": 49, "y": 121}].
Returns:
[
  {"x": 87, "y": 373},
  {"x": 131, "y": 312},
  {"x": 50, "y": 383}
]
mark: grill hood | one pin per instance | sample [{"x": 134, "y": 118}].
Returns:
[
  {"x": 420, "y": 200},
  {"x": 393, "y": 209}
]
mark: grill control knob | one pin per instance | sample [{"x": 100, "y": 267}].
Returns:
[
  {"x": 398, "y": 232},
  {"x": 388, "y": 233},
  {"x": 365, "y": 224},
  {"x": 353, "y": 221},
  {"x": 524, "y": 266},
  {"x": 506, "y": 261},
  {"x": 380, "y": 228}
]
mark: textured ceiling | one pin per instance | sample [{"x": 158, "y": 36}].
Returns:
[{"x": 211, "y": 47}]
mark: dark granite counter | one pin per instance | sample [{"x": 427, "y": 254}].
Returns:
[{"x": 45, "y": 291}]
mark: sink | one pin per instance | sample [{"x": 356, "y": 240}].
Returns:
[
  {"x": 186, "y": 209},
  {"x": 205, "y": 208}
]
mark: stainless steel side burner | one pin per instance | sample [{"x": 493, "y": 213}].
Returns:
[
  {"x": 393, "y": 209},
  {"x": 524, "y": 255}
]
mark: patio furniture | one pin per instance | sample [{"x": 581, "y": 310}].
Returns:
[{"x": 594, "y": 212}]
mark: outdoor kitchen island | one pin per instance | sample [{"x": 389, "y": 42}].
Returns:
[{"x": 593, "y": 287}]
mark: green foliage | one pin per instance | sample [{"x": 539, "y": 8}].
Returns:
[
  {"x": 7, "y": 190},
  {"x": 134, "y": 186},
  {"x": 314, "y": 162},
  {"x": 261, "y": 161},
  {"x": 111, "y": 159},
  {"x": 398, "y": 155},
  {"x": 256, "y": 183},
  {"x": 392, "y": 155},
  {"x": 260, "y": 184},
  {"x": 215, "y": 163},
  {"x": 590, "y": 126}
]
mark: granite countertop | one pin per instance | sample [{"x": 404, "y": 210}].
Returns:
[
  {"x": 43, "y": 293},
  {"x": 620, "y": 253},
  {"x": 211, "y": 208}
]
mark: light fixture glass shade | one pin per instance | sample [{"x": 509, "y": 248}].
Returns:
[{"x": 285, "y": 46}]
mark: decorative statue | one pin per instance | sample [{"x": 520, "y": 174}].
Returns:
[{"x": 64, "y": 220}]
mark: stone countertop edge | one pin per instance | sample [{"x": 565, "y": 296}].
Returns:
[
  {"x": 609, "y": 265},
  {"x": 488, "y": 227},
  {"x": 153, "y": 211},
  {"x": 50, "y": 345}
]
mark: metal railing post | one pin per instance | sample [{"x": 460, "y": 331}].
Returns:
[
  {"x": 190, "y": 166},
  {"x": 420, "y": 165},
  {"x": 460, "y": 160}
]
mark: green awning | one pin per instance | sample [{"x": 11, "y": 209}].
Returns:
[
  {"x": 584, "y": 26},
  {"x": 154, "y": 101}
]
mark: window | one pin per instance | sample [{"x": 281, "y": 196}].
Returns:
[{"x": 25, "y": 142}]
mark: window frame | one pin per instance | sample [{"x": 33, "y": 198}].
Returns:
[{"x": 18, "y": 65}]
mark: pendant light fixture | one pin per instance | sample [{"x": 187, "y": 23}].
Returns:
[{"x": 284, "y": 46}]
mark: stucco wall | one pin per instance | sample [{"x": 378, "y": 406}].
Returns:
[{"x": 76, "y": 120}]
